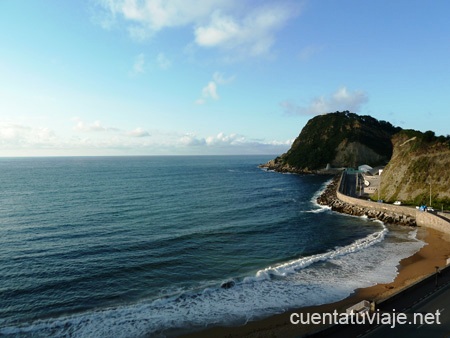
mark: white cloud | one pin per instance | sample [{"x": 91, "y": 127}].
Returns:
[
  {"x": 252, "y": 34},
  {"x": 222, "y": 139},
  {"x": 20, "y": 140},
  {"x": 232, "y": 144},
  {"x": 15, "y": 135},
  {"x": 144, "y": 18},
  {"x": 192, "y": 140},
  {"x": 158, "y": 14},
  {"x": 230, "y": 25},
  {"x": 200, "y": 102},
  {"x": 220, "y": 78},
  {"x": 139, "y": 64},
  {"x": 340, "y": 100},
  {"x": 95, "y": 126},
  {"x": 221, "y": 29},
  {"x": 163, "y": 62},
  {"x": 210, "y": 90},
  {"x": 138, "y": 132},
  {"x": 281, "y": 143},
  {"x": 309, "y": 51}
]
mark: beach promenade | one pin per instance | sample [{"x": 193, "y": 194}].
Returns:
[
  {"x": 437, "y": 301},
  {"x": 413, "y": 286},
  {"x": 427, "y": 295},
  {"x": 346, "y": 193}
]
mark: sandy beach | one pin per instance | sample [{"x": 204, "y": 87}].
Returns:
[{"x": 410, "y": 269}]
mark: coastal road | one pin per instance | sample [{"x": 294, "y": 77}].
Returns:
[
  {"x": 435, "y": 326},
  {"x": 349, "y": 184},
  {"x": 423, "y": 297}
]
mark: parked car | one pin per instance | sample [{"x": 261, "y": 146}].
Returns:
[{"x": 397, "y": 203}]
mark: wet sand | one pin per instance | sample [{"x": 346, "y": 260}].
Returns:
[{"x": 411, "y": 269}]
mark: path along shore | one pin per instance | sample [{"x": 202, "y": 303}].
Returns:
[
  {"x": 411, "y": 269},
  {"x": 330, "y": 197}
]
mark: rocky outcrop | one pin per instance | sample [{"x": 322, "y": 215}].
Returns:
[
  {"x": 341, "y": 139},
  {"x": 280, "y": 166},
  {"x": 329, "y": 197},
  {"x": 355, "y": 153}
]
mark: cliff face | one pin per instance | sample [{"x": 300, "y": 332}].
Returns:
[
  {"x": 342, "y": 139},
  {"x": 418, "y": 159}
]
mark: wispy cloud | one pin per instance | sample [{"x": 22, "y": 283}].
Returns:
[
  {"x": 342, "y": 99},
  {"x": 139, "y": 64},
  {"x": 233, "y": 143},
  {"x": 221, "y": 79},
  {"x": 95, "y": 126},
  {"x": 308, "y": 52},
  {"x": 163, "y": 62},
  {"x": 138, "y": 132},
  {"x": 94, "y": 138},
  {"x": 230, "y": 25},
  {"x": 191, "y": 140},
  {"x": 252, "y": 34},
  {"x": 23, "y": 135},
  {"x": 20, "y": 139},
  {"x": 210, "y": 90}
]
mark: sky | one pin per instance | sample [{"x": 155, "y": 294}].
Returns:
[{"x": 213, "y": 77}]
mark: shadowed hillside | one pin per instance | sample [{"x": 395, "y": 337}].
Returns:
[{"x": 341, "y": 139}]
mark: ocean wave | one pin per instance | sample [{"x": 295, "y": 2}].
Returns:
[
  {"x": 305, "y": 281},
  {"x": 319, "y": 192},
  {"x": 318, "y": 208},
  {"x": 293, "y": 266},
  {"x": 322, "y": 208},
  {"x": 198, "y": 302}
]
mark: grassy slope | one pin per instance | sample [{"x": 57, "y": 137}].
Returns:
[{"x": 418, "y": 159}]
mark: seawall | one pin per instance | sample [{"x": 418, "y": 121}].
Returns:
[
  {"x": 354, "y": 206},
  {"x": 388, "y": 213},
  {"x": 431, "y": 220}
]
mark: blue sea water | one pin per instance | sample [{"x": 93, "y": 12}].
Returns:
[{"x": 140, "y": 246}]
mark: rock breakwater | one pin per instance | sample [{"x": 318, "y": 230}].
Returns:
[
  {"x": 278, "y": 166},
  {"x": 329, "y": 197}
]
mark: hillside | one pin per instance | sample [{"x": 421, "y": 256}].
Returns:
[
  {"x": 341, "y": 139},
  {"x": 418, "y": 159}
]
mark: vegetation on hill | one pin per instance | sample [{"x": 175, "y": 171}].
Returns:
[
  {"x": 340, "y": 139},
  {"x": 420, "y": 161},
  {"x": 415, "y": 161}
]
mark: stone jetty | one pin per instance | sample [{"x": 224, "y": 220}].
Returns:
[{"x": 329, "y": 197}]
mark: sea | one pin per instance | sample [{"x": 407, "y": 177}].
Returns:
[{"x": 160, "y": 246}]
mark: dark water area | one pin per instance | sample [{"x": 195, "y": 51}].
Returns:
[{"x": 135, "y": 246}]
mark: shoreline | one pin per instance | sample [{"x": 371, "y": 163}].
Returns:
[{"x": 410, "y": 269}]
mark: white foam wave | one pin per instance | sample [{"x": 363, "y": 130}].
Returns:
[
  {"x": 334, "y": 276},
  {"x": 318, "y": 207},
  {"x": 412, "y": 234},
  {"x": 293, "y": 266},
  {"x": 322, "y": 208},
  {"x": 320, "y": 191}
]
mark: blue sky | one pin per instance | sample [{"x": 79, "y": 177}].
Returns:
[{"x": 147, "y": 77}]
